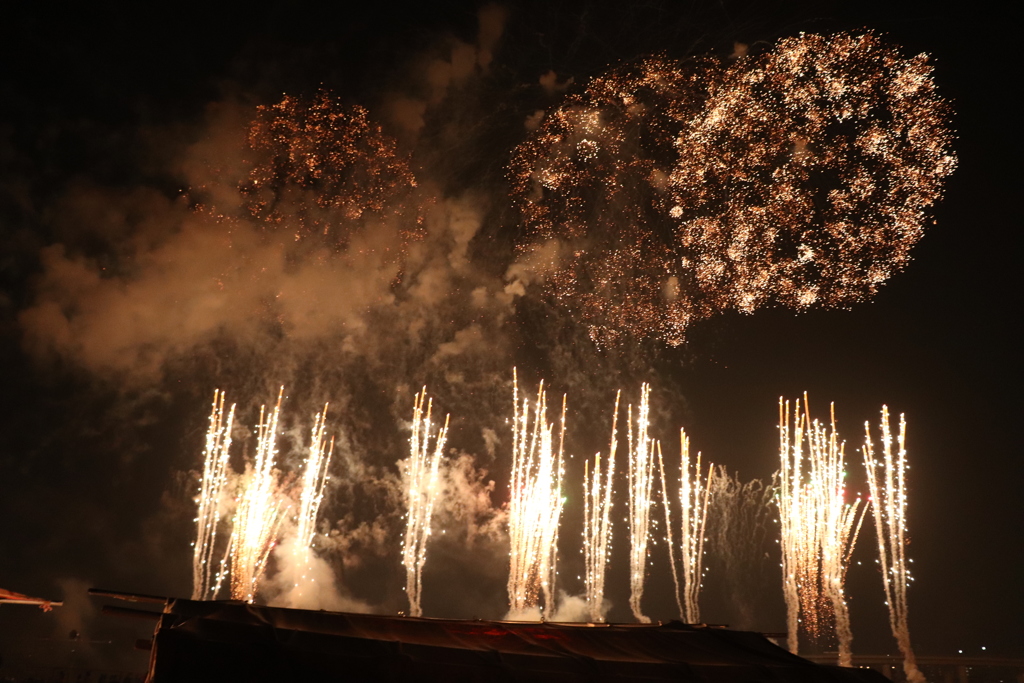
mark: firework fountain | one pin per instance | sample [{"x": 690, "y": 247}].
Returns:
[
  {"x": 420, "y": 472},
  {"x": 694, "y": 495},
  {"x": 311, "y": 495},
  {"x": 211, "y": 491},
  {"x": 597, "y": 529},
  {"x": 819, "y": 528},
  {"x": 641, "y": 478},
  {"x": 888, "y": 486},
  {"x": 535, "y": 507}
]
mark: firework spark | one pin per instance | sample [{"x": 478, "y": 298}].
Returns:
[
  {"x": 694, "y": 495},
  {"x": 888, "y": 486},
  {"x": 801, "y": 176},
  {"x": 536, "y": 504},
  {"x": 421, "y": 478},
  {"x": 641, "y": 478},
  {"x": 597, "y": 529},
  {"x": 259, "y": 513},
  {"x": 212, "y": 486},
  {"x": 819, "y": 528}
]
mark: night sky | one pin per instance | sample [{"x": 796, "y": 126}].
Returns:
[{"x": 110, "y": 118}]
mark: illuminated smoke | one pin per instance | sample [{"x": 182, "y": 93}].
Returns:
[
  {"x": 259, "y": 513},
  {"x": 801, "y": 176},
  {"x": 597, "y": 528},
  {"x": 420, "y": 472},
  {"x": 535, "y": 507},
  {"x": 205, "y": 585},
  {"x": 737, "y": 530},
  {"x": 641, "y": 478},
  {"x": 888, "y": 486},
  {"x": 694, "y": 494},
  {"x": 819, "y": 528}
]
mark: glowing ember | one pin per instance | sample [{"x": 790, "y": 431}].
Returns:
[
  {"x": 420, "y": 472},
  {"x": 801, "y": 176},
  {"x": 888, "y": 485},
  {"x": 535, "y": 506},
  {"x": 597, "y": 528}
]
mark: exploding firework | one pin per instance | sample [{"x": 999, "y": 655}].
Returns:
[
  {"x": 421, "y": 479},
  {"x": 819, "y": 528},
  {"x": 259, "y": 513},
  {"x": 641, "y": 479},
  {"x": 536, "y": 504},
  {"x": 888, "y": 485},
  {"x": 205, "y": 585},
  {"x": 675, "y": 191},
  {"x": 597, "y": 528},
  {"x": 694, "y": 494}
]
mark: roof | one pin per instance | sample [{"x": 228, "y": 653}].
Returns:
[{"x": 231, "y": 641}]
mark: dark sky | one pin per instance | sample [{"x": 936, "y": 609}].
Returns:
[{"x": 101, "y": 110}]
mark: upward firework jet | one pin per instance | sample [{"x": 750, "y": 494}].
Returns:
[
  {"x": 535, "y": 506},
  {"x": 259, "y": 512},
  {"x": 314, "y": 479},
  {"x": 819, "y": 528},
  {"x": 641, "y": 478},
  {"x": 694, "y": 494},
  {"x": 676, "y": 191},
  {"x": 597, "y": 528},
  {"x": 205, "y": 585},
  {"x": 420, "y": 471},
  {"x": 887, "y": 483}
]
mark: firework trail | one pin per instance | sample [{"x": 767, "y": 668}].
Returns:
[
  {"x": 819, "y": 528},
  {"x": 211, "y": 490},
  {"x": 535, "y": 506},
  {"x": 597, "y": 530},
  {"x": 259, "y": 512},
  {"x": 641, "y": 478},
  {"x": 800, "y": 176},
  {"x": 421, "y": 478},
  {"x": 737, "y": 529},
  {"x": 887, "y": 484},
  {"x": 694, "y": 495},
  {"x": 314, "y": 479}
]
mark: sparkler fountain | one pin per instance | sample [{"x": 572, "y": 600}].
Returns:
[
  {"x": 641, "y": 477},
  {"x": 888, "y": 486},
  {"x": 819, "y": 528},
  {"x": 597, "y": 529},
  {"x": 420, "y": 472},
  {"x": 535, "y": 506},
  {"x": 694, "y": 495},
  {"x": 211, "y": 490}
]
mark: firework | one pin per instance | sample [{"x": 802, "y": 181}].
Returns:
[
  {"x": 210, "y": 498},
  {"x": 737, "y": 530},
  {"x": 536, "y": 504},
  {"x": 421, "y": 479},
  {"x": 641, "y": 478},
  {"x": 259, "y": 513},
  {"x": 597, "y": 530},
  {"x": 801, "y": 176},
  {"x": 887, "y": 483},
  {"x": 314, "y": 479},
  {"x": 819, "y": 528},
  {"x": 694, "y": 494}
]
